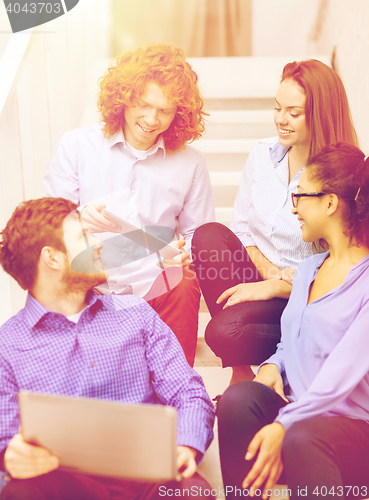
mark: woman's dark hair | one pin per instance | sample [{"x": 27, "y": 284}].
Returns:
[{"x": 343, "y": 169}]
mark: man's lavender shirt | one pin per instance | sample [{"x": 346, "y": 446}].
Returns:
[
  {"x": 119, "y": 350},
  {"x": 324, "y": 351}
]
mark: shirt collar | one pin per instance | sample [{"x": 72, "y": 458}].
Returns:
[
  {"x": 118, "y": 137},
  {"x": 34, "y": 310},
  {"x": 277, "y": 153}
]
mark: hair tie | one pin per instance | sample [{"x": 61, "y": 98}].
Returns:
[{"x": 357, "y": 194}]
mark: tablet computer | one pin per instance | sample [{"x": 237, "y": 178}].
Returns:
[
  {"x": 156, "y": 238},
  {"x": 102, "y": 437}
]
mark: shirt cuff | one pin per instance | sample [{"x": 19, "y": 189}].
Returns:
[
  {"x": 2, "y": 465},
  {"x": 81, "y": 207},
  {"x": 247, "y": 240},
  {"x": 285, "y": 420},
  {"x": 192, "y": 443},
  {"x": 271, "y": 362}
]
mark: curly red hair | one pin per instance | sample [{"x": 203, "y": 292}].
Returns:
[
  {"x": 33, "y": 225},
  {"x": 165, "y": 65}
]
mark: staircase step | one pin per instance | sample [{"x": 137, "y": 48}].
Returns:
[
  {"x": 240, "y": 116},
  {"x": 241, "y": 103},
  {"x": 229, "y": 146},
  {"x": 239, "y": 124},
  {"x": 225, "y": 162},
  {"x": 236, "y": 77},
  {"x": 225, "y": 187},
  {"x": 225, "y": 178},
  {"x": 224, "y": 196},
  {"x": 224, "y": 215},
  {"x": 228, "y": 155},
  {"x": 205, "y": 356},
  {"x": 203, "y": 307},
  {"x": 239, "y": 77}
]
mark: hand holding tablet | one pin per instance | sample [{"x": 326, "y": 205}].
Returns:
[{"x": 156, "y": 239}]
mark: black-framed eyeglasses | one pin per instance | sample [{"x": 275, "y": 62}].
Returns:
[{"x": 295, "y": 197}]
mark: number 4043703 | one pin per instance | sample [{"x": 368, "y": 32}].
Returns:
[{"x": 34, "y": 7}]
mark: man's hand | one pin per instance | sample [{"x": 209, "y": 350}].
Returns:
[
  {"x": 180, "y": 260},
  {"x": 269, "y": 375},
  {"x": 186, "y": 461},
  {"x": 268, "y": 465},
  {"x": 23, "y": 460},
  {"x": 260, "y": 290},
  {"x": 97, "y": 223}
]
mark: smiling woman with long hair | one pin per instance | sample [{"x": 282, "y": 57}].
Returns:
[
  {"x": 237, "y": 268},
  {"x": 307, "y": 410}
]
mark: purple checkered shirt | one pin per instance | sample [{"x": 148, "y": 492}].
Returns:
[{"x": 123, "y": 353}]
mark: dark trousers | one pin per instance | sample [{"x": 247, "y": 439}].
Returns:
[
  {"x": 322, "y": 456},
  {"x": 246, "y": 333},
  {"x": 59, "y": 485}
]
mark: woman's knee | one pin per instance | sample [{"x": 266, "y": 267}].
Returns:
[
  {"x": 230, "y": 335},
  {"x": 206, "y": 233},
  {"x": 244, "y": 402},
  {"x": 304, "y": 438},
  {"x": 215, "y": 335},
  {"x": 207, "y": 240}
]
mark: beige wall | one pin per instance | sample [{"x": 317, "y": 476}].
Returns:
[
  {"x": 346, "y": 27},
  {"x": 45, "y": 101},
  {"x": 5, "y": 30},
  {"x": 199, "y": 27},
  {"x": 306, "y": 28},
  {"x": 283, "y": 27}
]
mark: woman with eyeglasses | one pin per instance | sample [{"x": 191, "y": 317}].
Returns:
[
  {"x": 307, "y": 410},
  {"x": 246, "y": 273}
]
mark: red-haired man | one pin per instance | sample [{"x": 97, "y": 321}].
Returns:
[
  {"x": 138, "y": 165},
  {"x": 67, "y": 340}
]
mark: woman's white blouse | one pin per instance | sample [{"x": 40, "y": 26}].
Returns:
[{"x": 262, "y": 214}]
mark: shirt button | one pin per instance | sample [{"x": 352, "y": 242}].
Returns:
[
  {"x": 55, "y": 315},
  {"x": 126, "y": 250},
  {"x": 92, "y": 365},
  {"x": 133, "y": 191},
  {"x": 79, "y": 330}
]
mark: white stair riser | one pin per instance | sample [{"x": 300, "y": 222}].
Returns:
[
  {"x": 225, "y": 162},
  {"x": 224, "y": 196},
  {"x": 245, "y": 103},
  {"x": 224, "y": 215},
  {"x": 238, "y": 131}
]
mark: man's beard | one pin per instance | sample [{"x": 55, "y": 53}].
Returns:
[{"x": 76, "y": 283}]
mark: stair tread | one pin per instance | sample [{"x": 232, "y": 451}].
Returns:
[
  {"x": 256, "y": 77},
  {"x": 225, "y": 145},
  {"x": 225, "y": 178},
  {"x": 238, "y": 116}
]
